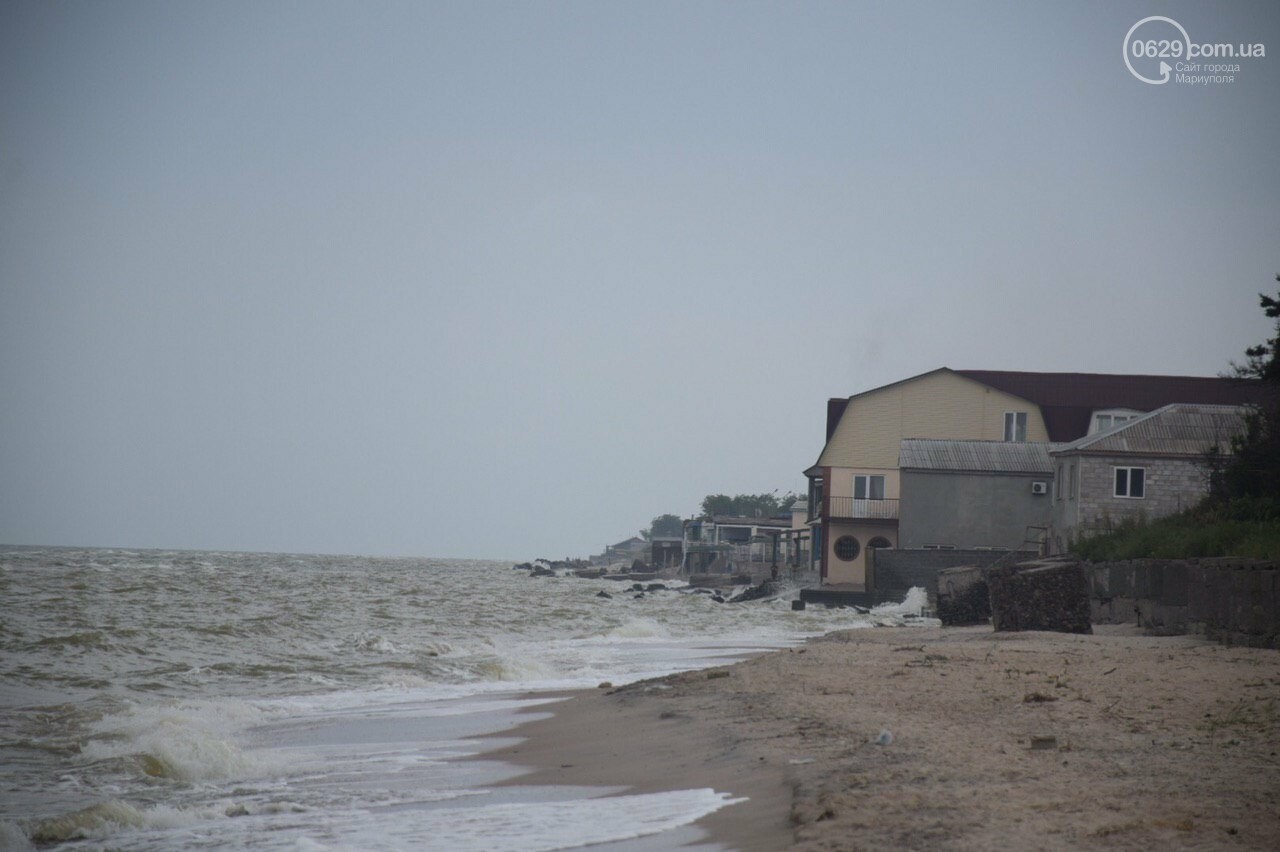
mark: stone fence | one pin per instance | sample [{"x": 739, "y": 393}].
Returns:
[
  {"x": 1228, "y": 599},
  {"x": 893, "y": 572}
]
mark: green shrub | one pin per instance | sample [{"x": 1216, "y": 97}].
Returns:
[{"x": 1247, "y": 527}]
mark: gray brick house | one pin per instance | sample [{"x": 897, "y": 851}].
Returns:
[{"x": 1146, "y": 467}]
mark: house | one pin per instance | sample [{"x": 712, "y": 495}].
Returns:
[
  {"x": 1146, "y": 467},
  {"x": 974, "y": 495},
  {"x": 796, "y": 551},
  {"x": 625, "y": 551},
  {"x": 855, "y": 486},
  {"x": 665, "y": 552},
  {"x": 722, "y": 542}
]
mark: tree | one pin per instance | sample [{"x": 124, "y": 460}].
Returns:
[
  {"x": 1253, "y": 467},
  {"x": 1262, "y": 361},
  {"x": 747, "y": 505},
  {"x": 664, "y": 526}
]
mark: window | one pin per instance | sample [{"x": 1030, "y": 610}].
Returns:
[
  {"x": 847, "y": 548},
  {"x": 1071, "y": 482},
  {"x": 1057, "y": 483},
  {"x": 1109, "y": 418},
  {"x": 1015, "y": 425},
  {"x": 879, "y": 542},
  {"x": 868, "y": 487},
  {"x": 1106, "y": 421},
  {"x": 1131, "y": 482}
]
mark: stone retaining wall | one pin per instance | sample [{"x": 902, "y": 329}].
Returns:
[{"x": 1228, "y": 599}]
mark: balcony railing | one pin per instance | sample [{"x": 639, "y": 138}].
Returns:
[{"x": 850, "y": 508}]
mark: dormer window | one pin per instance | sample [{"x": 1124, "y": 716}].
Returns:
[
  {"x": 1015, "y": 426},
  {"x": 1110, "y": 418}
]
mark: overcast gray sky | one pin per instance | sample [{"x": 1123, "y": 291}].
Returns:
[{"x": 510, "y": 279}]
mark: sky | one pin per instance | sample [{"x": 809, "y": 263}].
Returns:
[{"x": 508, "y": 280}]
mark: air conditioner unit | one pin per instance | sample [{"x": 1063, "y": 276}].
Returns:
[{"x": 1039, "y": 488}]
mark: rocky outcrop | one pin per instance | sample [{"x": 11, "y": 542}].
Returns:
[
  {"x": 550, "y": 568},
  {"x": 766, "y": 589},
  {"x": 1042, "y": 595}
]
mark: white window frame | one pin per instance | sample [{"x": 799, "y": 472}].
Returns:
[
  {"x": 1015, "y": 425},
  {"x": 867, "y": 479},
  {"x": 1128, "y": 482},
  {"x": 1113, "y": 416}
]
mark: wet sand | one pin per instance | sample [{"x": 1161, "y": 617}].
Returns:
[{"x": 958, "y": 738}]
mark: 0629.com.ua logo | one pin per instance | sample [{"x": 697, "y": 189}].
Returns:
[{"x": 1158, "y": 49}]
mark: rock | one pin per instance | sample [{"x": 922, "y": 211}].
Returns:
[
  {"x": 637, "y": 587},
  {"x": 1042, "y": 595},
  {"x": 542, "y": 572},
  {"x": 716, "y": 597},
  {"x": 605, "y": 685},
  {"x": 656, "y": 587},
  {"x": 766, "y": 589},
  {"x": 523, "y": 566},
  {"x": 604, "y": 594},
  {"x": 797, "y": 605},
  {"x": 639, "y": 597},
  {"x": 963, "y": 597}
]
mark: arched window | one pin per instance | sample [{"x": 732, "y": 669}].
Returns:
[
  {"x": 847, "y": 548},
  {"x": 879, "y": 541}
]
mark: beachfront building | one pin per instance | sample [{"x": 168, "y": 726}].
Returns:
[
  {"x": 722, "y": 543},
  {"x": 1145, "y": 467},
  {"x": 974, "y": 495},
  {"x": 855, "y": 486},
  {"x": 624, "y": 551}
]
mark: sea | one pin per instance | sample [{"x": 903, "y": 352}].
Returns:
[{"x": 160, "y": 700}]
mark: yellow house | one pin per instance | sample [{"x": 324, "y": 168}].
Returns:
[{"x": 854, "y": 485}]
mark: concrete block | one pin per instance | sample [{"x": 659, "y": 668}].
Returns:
[
  {"x": 1040, "y": 596},
  {"x": 962, "y": 596}
]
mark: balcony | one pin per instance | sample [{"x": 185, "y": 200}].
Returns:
[{"x": 851, "y": 509}]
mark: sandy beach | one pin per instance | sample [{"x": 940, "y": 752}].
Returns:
[{"x": 959, "y": 738}]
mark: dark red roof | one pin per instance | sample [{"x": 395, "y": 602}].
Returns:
[
  {"x": 835, "y": 410},
  {"x": 1067, "y": 400}
]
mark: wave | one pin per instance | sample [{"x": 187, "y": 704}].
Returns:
[
  {"x": 914, "y": 604},
  {"x": 85, "y": 639},
  {"x": 539, "y": 826},
  {"x": 191, "y": 742},
  {"x": 100, "y": 821},
  {"x": 637, "y": 628}
]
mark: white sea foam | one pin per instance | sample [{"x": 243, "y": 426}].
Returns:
[
  {"x": 637, "y": 628},
  {"x": 526, "y": 826},
  {"x": 185, "y": 742},
  {"x": 915, "y": 603}
]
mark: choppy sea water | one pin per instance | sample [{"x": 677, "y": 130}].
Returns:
[{"x": 154, "y": 700}]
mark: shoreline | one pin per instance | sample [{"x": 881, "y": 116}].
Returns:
[{"x": 990, "y": 741}]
